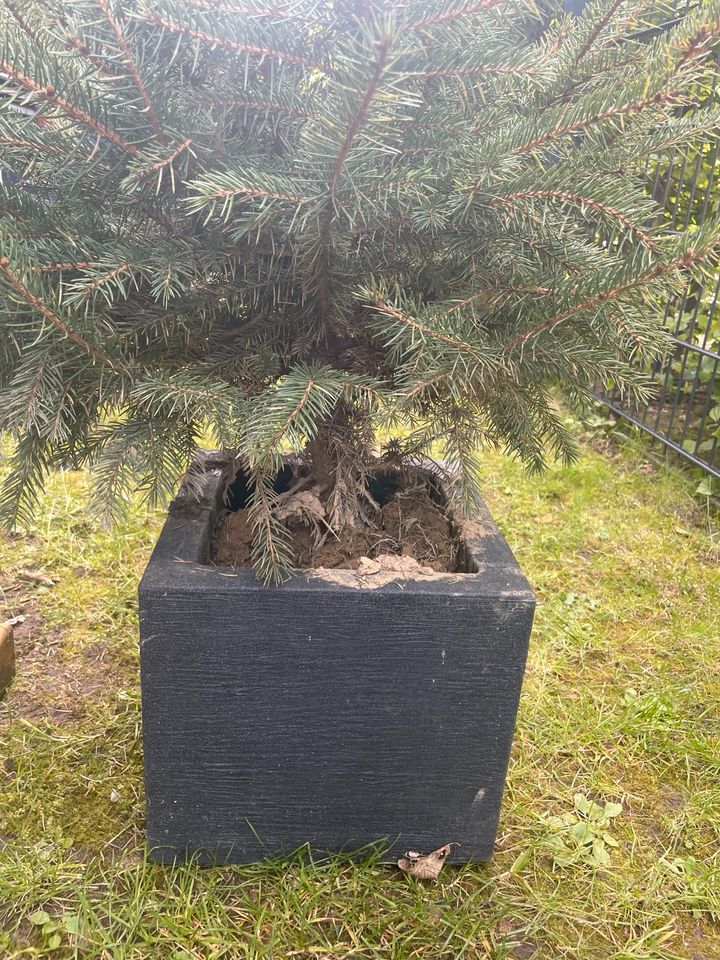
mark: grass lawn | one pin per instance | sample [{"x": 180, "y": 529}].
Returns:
[{"x": 620, "y": 707}]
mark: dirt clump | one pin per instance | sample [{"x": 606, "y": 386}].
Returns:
[{"x": 233, "y": 539}]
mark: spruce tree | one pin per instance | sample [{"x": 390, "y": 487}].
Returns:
[{"x": 301, "y": 222}]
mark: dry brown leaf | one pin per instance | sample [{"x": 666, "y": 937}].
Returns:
[
  {"x": 36, "y": 577},
  {"x": 425, "y": 866}
]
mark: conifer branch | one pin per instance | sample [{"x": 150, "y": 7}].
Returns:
[
  {"x": 132, "y": 69},
  {"x": 106, "y": 278},
  {"x": 544, "y": 251},
  {"x": 353, "y": 129},
  {"x": 270, "y": 550},
  {"x": 448, "y": 15},
  {"x": 31, "y": 145},
  {"x": 262, "y": 106},
  {"x": 582, "y": 201},
  {"x": 160, "y": 164},
  {"x": 19, "y": 19},
  {"x": 241, "y": 10},
  {"x": 282, "y": 56},
  {"x": 698, "y": 46},
  {"x": 48, "y": 94},
  {"x": 254, "y": 194},
  {"x": 68, "y": 265},
  {"x": 73, "y": 42},
  {"x": 478, "y": 71},
  {"x": 358, "y": 119},
  {"x": 422, "y": 328},
  {"x": 39, "y": 304},
  {"x": 387, "y": 186},
  {"x": 683, "y": 262},
  {"x": 461, "y": 304},
  {"x": 598, "y": 28},
  {"x": 664, "y": 99},
  {"x": 282, "y": 430},
  {"x": 695, "y": 48}
]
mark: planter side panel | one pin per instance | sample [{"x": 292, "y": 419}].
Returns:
[{"x": 336, "y": 718}]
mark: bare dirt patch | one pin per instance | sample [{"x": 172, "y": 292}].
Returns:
[{"x": 50, "y": 686}]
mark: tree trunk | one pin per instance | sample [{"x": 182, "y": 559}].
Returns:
[{"x": 339, "y": 455}]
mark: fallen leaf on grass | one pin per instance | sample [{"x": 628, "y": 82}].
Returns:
[
  {"x": 425, "y": 866},
  {"x": 35, "y": 576}
]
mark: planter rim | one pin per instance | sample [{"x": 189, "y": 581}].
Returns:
[{"x": 180, "y": 558}]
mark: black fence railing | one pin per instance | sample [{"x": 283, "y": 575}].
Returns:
[{"x": 684, "y": 413}]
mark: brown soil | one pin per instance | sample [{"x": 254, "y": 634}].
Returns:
[
  {"x": 410, "y": 525},
  {"x": 48, "y": 685}
]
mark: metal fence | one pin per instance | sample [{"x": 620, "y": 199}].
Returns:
[{"x": 684, "y": 413}]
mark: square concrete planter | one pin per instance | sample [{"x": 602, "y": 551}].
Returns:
[{"x": 324, "y": 714}]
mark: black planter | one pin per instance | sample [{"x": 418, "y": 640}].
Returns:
[{"x": 324, "y": 714}]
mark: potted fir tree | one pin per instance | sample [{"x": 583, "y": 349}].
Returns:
[{"x": 360, "y": 232}]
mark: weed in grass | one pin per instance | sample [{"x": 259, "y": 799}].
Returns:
[{"x": 583, "y": 835}]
